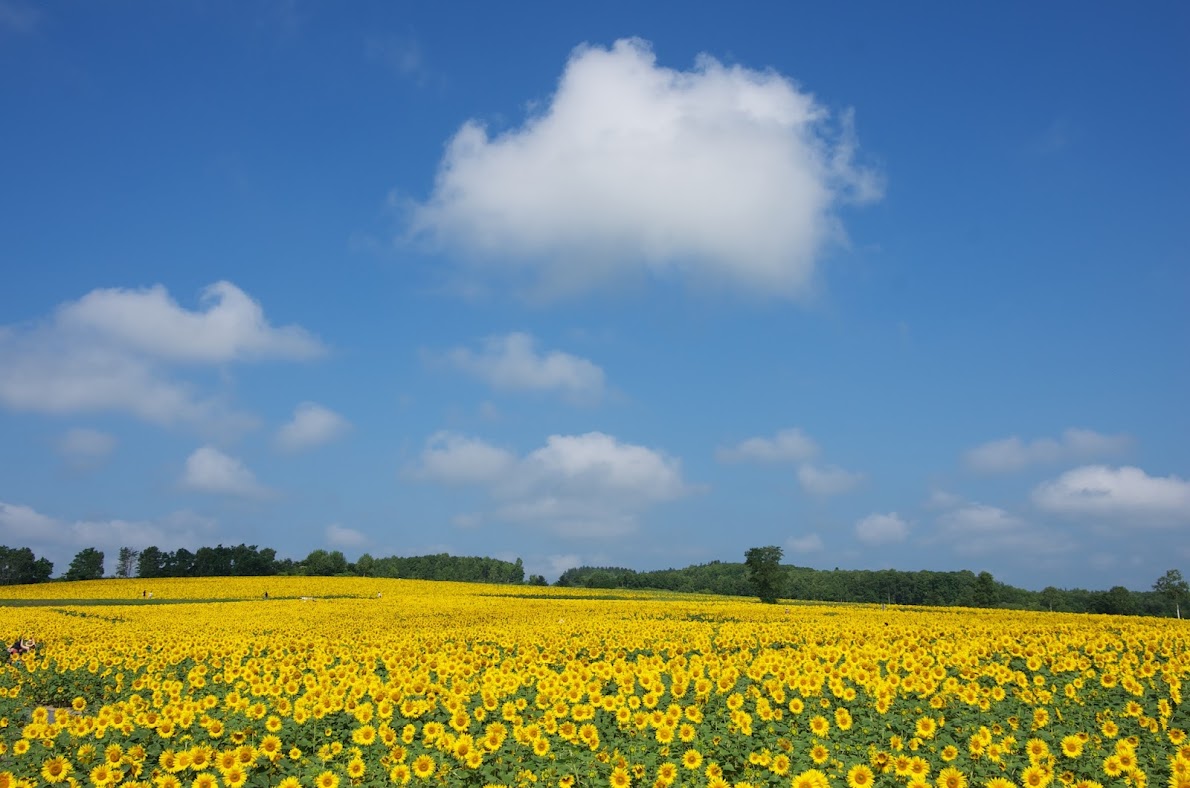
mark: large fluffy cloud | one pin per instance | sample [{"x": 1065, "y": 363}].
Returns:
[
  {"x": 720, "y": 172},
  {"x": 312, "y": 425},
  {"x": 209, "y": 470},
  {"x": 1014, "y": 454},
  {"x": 1126, "y": 493},
  {"x": 512, "y": 362},
  {"x": 577, "y": 485},
  {"x": 120, "y": 350}
]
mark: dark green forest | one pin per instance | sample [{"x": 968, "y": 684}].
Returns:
[{"x": 1169, "y": 596}]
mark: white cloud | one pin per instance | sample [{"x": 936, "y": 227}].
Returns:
[
  {"x": 450, "y": 458},
  {"x": 721, "y": 172},
  {"x": 1127, "y": 493},
  {"x": 878, "y": 529},
  {"x": 511, "y": 362},
  {"x": 22, "y": 524},
  {"x": 232, "y": 327},
  {"x": 341, "y": 536},
  {"x": 578, "y": 485},
  {"x": 830, "y": 480},
  {"x": 810, "y": 543},
  {"x": 312, "y": 425},
  {"x": 209, "y": 470},
  {"x": 59, "y": 540},
  {"x": 1013, "y": 454},
  {"x": 84, "y": 447},
  {"x": 118, "y": 350},
  {"x": 791, "y": 445},
  {"x": 974, "y": 529}
]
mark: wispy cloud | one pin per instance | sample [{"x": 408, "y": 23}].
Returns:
[
  {"x": 123, "y": 350},
  {"x": 85, "y": 448},
  {"x": 312, "y": 425},
  {"x": 512, "y": 362},
  {"x": 1013, "y": 454},
  {"x": 791, "y": 445},
  {"x": 881, "y": 529},
  {"x": 586, "y": 486}
]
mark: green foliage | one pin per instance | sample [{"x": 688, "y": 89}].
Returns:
[
  {"x": 442, "y": 566},
  {"x": 18, "y": 566},
  {"x": 764, "y": 571},
  {"x": 87, "y": 565},
  {"x": 1173, "y": 588}
]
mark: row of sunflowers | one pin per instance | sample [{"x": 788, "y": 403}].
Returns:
[{"x": 331, "y": 683}]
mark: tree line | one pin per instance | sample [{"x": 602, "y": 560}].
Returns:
[
  {"x": 20, "y": 566},
  {"x": 765, "y": 577},
  {"x": 761, "y": 574}
]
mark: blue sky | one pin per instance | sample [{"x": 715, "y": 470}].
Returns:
[{"x": 617, "y": 285}]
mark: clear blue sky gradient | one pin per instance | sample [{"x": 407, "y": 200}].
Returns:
[{"x": 980, "y": 362}]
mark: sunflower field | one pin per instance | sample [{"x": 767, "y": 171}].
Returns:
[{"x": 341, "y": 682}]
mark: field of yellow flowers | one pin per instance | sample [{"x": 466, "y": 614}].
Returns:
[{"x": 372, "y": 682}]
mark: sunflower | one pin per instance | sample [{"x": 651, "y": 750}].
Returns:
[
  {"x": 235, "y": 777},
  {"x": 620, "y": 778},
  {"x": 951, "y": 777},
  {"x": 290, "y": 782},
  {"x": 999, "y": 782},
  {"x": 692, "y": 759},
  {"x": 355, "y": 768},
  {"x": 399, "y": 774},
  {"x": 1072, "y": 746},
  {"x": 780, "y": 764},
  {"x": 270, "y": 747},
  {"x": 819, "y": 726},
  {"x": 327, "y": 779},
  {"x": 819, "y": 753},
  {"x": 860, "y": 776},
  {"x": 102, "y": 775},
  {"x": 56, "y": 770},
  {"x": 811, "y": 778},
  {"x": 423, "y": 767},
  {"x": 1036, "y": 777},
  {"x": 205, "y": 780}
]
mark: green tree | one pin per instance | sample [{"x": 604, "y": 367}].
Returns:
[
  {"x": 87, "y": 565},
  {"x": 18, "y": 566},
  {"x": 1049, "y": 597},
  {"x": 126, "y": 563},
  {"x": 763, "y": 566},
  {"x": 150, "y": 562},
  {"x": 1174, "y": 588},
  {"x": 322, "y": 563},
  {"x": 365, "y": 565},
  {"x": 985, "y": 593}
]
